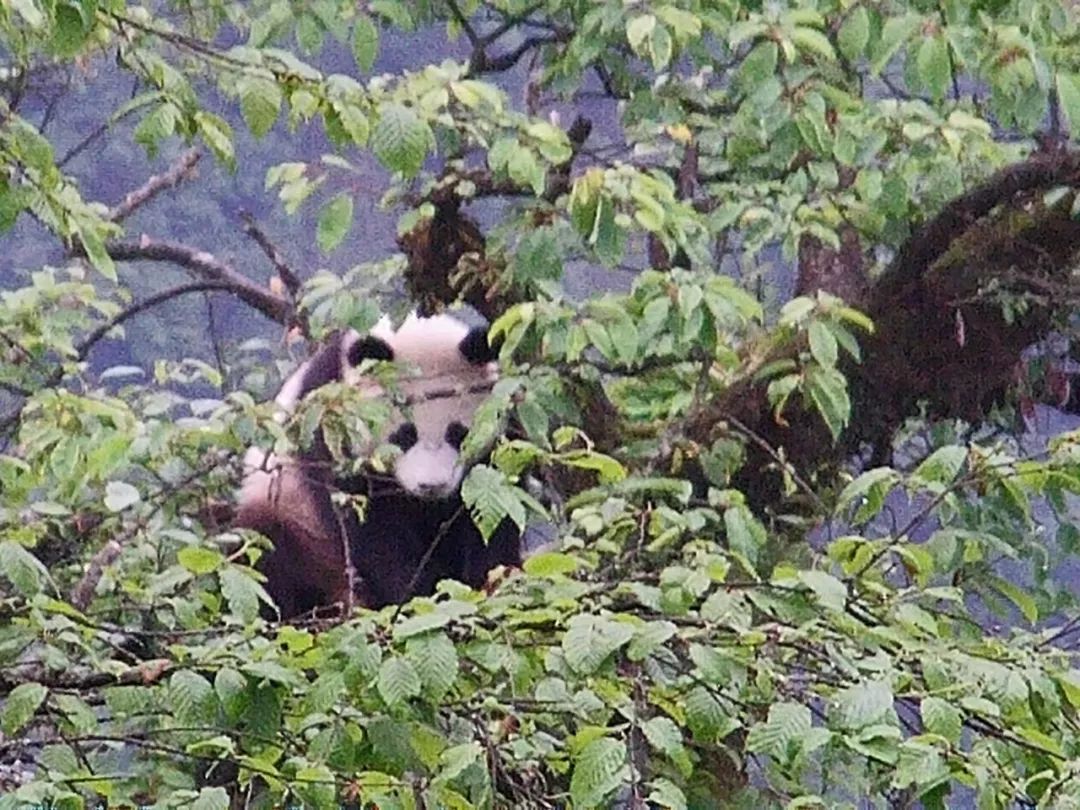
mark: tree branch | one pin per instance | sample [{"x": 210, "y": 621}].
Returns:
[
  {"x": 179, "y": 170},
  {"x": 207, "y": 267},
  {"x": 285, "y": 273}
]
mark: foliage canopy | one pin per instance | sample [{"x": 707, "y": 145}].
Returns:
[{"x": 708, "y": 632}]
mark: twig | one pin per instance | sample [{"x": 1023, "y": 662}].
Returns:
[
  {"x": 83, "y": 347},
  {"x": 84, "y": 588},
  {"x": 285, "y": 273},
  {"x": 179, "y": 170}
]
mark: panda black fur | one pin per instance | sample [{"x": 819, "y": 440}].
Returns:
[{"x": 289, "y": 500}]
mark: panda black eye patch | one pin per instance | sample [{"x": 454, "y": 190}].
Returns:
[
  {"x": 474, "y": 347},
  {"x": 455, "y": 434},
  {"x": 405, "y": 436},
  {"x": 369, "y": 348}
]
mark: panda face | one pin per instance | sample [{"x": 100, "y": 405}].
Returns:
[{"x": 436, "y": 355}]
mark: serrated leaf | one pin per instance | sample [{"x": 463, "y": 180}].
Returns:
[
  {"x": 436, "y": 662},
  {"x": 22, "y": 569},
  {"x": 941, "y": 467},
  {"x": 782, "y": 733},
  {"x": 192, "y": 699},
  {"x": 335, "y": 220},
  {"x": 667, "y": 794},
  {"x": 1018, "y": 596},
  {"x": 260, "y": 104},
  {"x": 827, "y": 389},
  {"x": 423, "y": 623},
  {"x": 663, "y": 735},
  {"x": 455, "y": 759},
  {"x": 830, "y": 592},
  {"x": 231, "y": 689},
  {"x": 365, "y": 43},
  {"x": 398, "y": 681},
  {"x": 933, "y": 66},
  {"x": 864, "y": 704},
  {"x": 199, "y": 559},
  {"x": 941, "y": 717},
  {"x": 894, "y": 34},
  {"x": 97, "y": 253},
  {"x": 869, "y": 490},
  {"x": 647, "y": 638},
  {"x": 704, "y": 715},
  {"x": 491, "y": 499},
  {"x": 218, "y": 136},
  {"x": 589, "y": 640},
  {"x": 20, "y": 705},
  {"x": 598, "y": 771},
  {"x": 401, "y": 140},
  {"x": 854, "y": 33},
  {"x": 211, "y": 798},
  {"x": 242, "y": 593},
  {"x": 810, "y": 39}
]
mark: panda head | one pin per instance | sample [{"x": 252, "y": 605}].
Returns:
[{"x": 437, "y": 355}]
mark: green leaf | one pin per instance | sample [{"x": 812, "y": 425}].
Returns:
[
  {"x": 423, "y": 623},
  {"x": 648, "y": 638},
  {"x": 491, "y": 499},
  {"x": 894, "y": 34},
  {"x": 97, "y": 253},
  {"x": 823, "y": 345},
  {"x": 854, "y": 33},
  {"x": 217, "y": 134},
  {"x": 1068, "y": 90},
  {"x": 119, "y": 495},
  {"x": 864, "y": 704},
  {"x": 242, "y": 593},
  {"x": 933, "y": 66},
  {"x": 868, "y": 491},
  {"x": 830, "y": 592},
  {"x": 69, "y": 32},
  {"x": 211, "y": 798},
  {"x": 812, "y": 40},
  {"x": 704, "y": 715},
  {"x": 598, "y": 771},
  {"x": 401, "y": 140},
  {"x": 192, "y": 699},
  {"x": 22, "y": 569},
  {"x": 638, "y": 31},
  {"x": 940, "y": 468},
  {"x": 827, "y": 389},
  {"x": 30, "y": 11},
  {"x": 1018, "y": 596},
  {"x": 260, "y": 104},
  {"x": 941, "y": 717},
  {"x": 398, "y": 681},
  {"x": 199, "y": 559},
  {"x": 20, "y": 705},
  {"x": 365, "y": 43},
  {"x": 335, "y": 220},
  {"x": 589, "y": 640},
  {"x": 436, "y": 662},
  {"x": 667, "y": 794},
  {"x": 550, "y": 564},
  {"x": 782, "y": 734}
]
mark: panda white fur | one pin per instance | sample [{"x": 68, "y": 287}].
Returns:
[{"x": 416, "y": 529}]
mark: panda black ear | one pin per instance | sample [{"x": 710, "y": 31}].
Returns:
[
  {"x": 369, "y": 348},
  {"x": 475, "y": 348}
]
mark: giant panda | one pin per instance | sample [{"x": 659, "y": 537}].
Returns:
[{"x": 416, "y": 530}]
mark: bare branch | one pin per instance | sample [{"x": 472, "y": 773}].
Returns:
[
  {"x": 179, "y": 170},
  {"x": 207, "y": 267},
  {"x": 84, "y": 588},
  {"x": 285, "y": 273}
]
